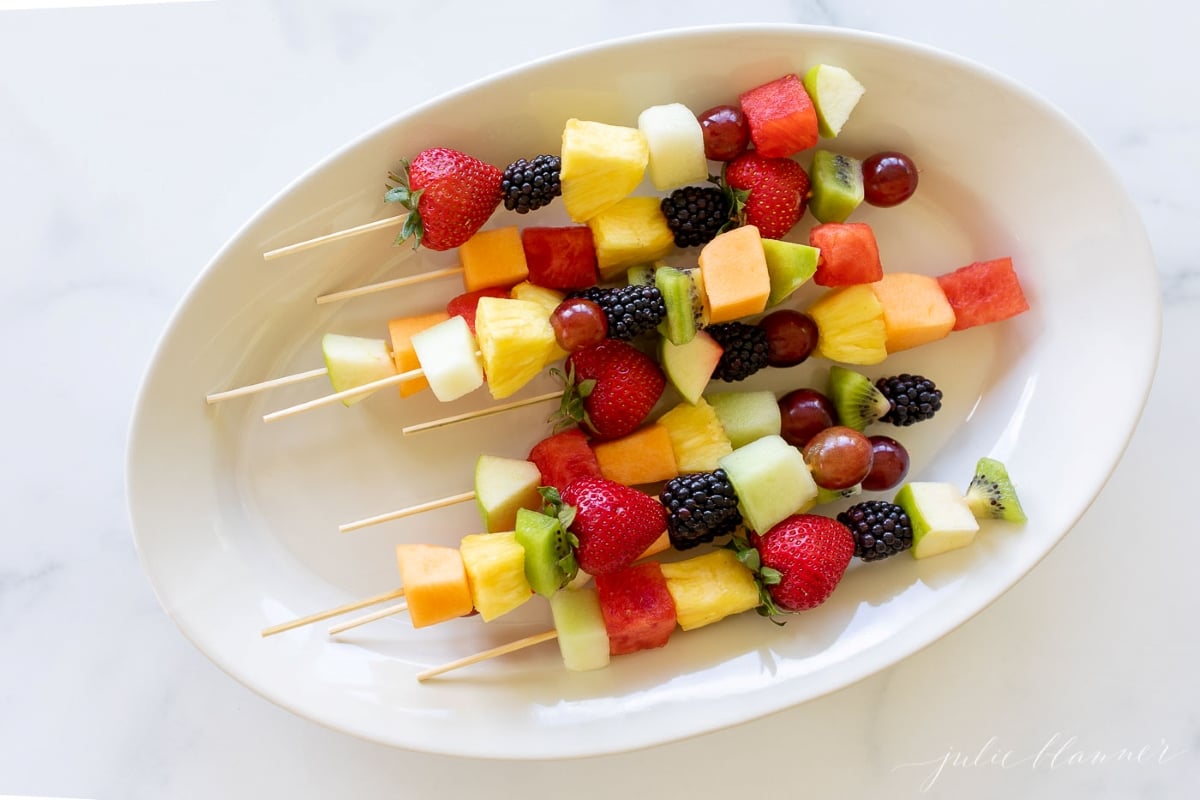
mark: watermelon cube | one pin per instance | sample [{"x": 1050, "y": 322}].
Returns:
[
  {"x": 781, "y": 117},
  {"x": 560, "y": 258},
  {"x": 464, "y": 305},
  {"x": 849, "y": 254},
  {"x": 639, "y": 613},
  {"x": 563, "y": 458},
  {"x": 983, "y": 292}
]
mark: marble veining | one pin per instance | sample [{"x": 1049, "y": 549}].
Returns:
[{"x": 135, "y": 140}]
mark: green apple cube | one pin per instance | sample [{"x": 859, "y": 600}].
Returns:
[
  {"x": 834, "y": 92},
  {"x": 355, "y": 361},
  {"x": 771, "y": 480},
  {"x": 503, "y": 485},
  {"x": 676, "y": 143},
  {"x": 790, "y": 265},
  {"x": 689, "y": 367},
  {"x": 747, "y": 416},
  {"x": 941, "y": 519},
  {"x": 579, "y": 623},
  {"x": 449, "y": 359}
]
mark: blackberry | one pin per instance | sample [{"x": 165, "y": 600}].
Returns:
[
  {"x": 746, "y": 350},
  {"x": 880, "y": 529},
  {"x": 529, "y": 185},
  {"x": 631, "y": 310},
  {"x": 914, "y": 398},
  {"x": 695, "y": 214},
  {"x": 700, "y": 507}
]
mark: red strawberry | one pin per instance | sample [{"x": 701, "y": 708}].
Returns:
[
  {"x": 464, "y": 305},
  {"x": 448, "y": 194},
  {"x": 611, "y": 388},
  {"x": 778, "y": 191},
  {"x": 614, "y": 523},
  {"x": 802, "y": 560}
]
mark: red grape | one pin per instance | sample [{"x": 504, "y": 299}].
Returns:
[
  {"x": 726, "y": 133},
  {"x": 578, "y": 323},
  {"x": 839, "y": 457},
  {"x": 804, "y": 413},
  {"x": 791, "y": 337},
  {"x": 889, "y": 464},
  {"x": 889, "y": 178}
]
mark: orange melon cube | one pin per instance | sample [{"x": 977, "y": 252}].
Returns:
[
  {"x": 493, "y": 258},
  {"x": 736, "y": 279},
  {"x": 435, "y": 583},
  {"x": 644, "y": 456},
  {"x": 401, "y": 331},
  {"x": 915, "y": 310}
]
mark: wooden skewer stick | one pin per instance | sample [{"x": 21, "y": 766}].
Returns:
[
  {"x": 396, "y": 283},
  {"x": 366, "y": 388},
  {"x": 504, "y": 649},
  {"x": 254, "y": 388},
  {"x": 407, "y": 512},
  {"x": 399, "y": 608},
  {"x": 333, "y": 612},
  {"x": 483, "y": 412},
  {"x": 280, "y": 252}
]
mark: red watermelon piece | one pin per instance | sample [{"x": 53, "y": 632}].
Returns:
[
  {"x": 781, "y": 117},
  {"x": 560, "y": 258},
  {"x": 849, "y": 254},
  {"x": 639, "y": 613},
  {"x": 983, "y": 292},
  {"x": 565, "y": 457},
  {"x": 464, "y": 305}
]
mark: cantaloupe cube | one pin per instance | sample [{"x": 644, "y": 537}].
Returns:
[
  {"x": 401, "y": 330},
  {"x": 493, "y": 258},
  {"x": 644, "y": 456},
  {"x": 435, "y": 583},
  {"x": 736, "y": 279},
  {"x": 915, "y": 309},
  {"x": 633, "y": 231}
]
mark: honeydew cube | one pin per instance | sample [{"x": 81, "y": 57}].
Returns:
[
  {"x": 354, "y": 361},
  {"x": 941, "y": 518},
  {"x": 771, "y": 480},
  {"x": 495, "y": 565},
  {"x": 448, "y": 358},
  {"x": 747, "y": 416},
  {"x": 579, "y": 623},
  {"x": 503, "y": 485},
  {"x": 676, "y": 143},
  {"x": 709, "y": 588}
]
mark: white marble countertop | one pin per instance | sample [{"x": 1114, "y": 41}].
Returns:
[{"x": 135, "y": 140}]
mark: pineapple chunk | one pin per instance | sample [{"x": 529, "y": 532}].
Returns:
[
  {"x": 600, "y": 165},
  {"x": 547, "y": 298},
  {"x": 632, "y": 232},
  {"x": 709, "y": 588},
  {"x": 495, "y": 564},
  {"x": 516, "y": 341},
  {"x": 697, "y": 437},
  {"x": 850, "y": 326}
]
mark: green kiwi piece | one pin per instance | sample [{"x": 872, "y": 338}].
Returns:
[
  {"x": 837, "y": 186},
  {"x": 833, "y": 495},
  {"x": 680, "y": 295},
  {"x": 991, "y": 494},
  {"x": 858, "y": 402},
  {"x": 642, "y": 275},
  {"x": 549, "y": 558}
]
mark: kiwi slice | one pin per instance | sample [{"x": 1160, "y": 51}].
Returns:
[
  {"x": 857, "y": 400},
  {"x": 549, "y": 558},
  {"x": 837, "y": 186},
  {"x": 683, "y": 299},
  {"x": 991, "y": 494},
  {"x": 833, "y": 495},
  {"x": 641, "y": 275}
]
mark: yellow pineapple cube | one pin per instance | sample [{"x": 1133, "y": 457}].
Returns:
[
  {"x": 850, "y": 326},
  {"x": 547, "y": 298},
  {"x": 515, "y": 340},
  {"x": 600, "y": 165},
  {"x": 495, "y": 564},
  {"x": 632, "y": 232},
  {"x": 697, "y": 436},
  {"x": 709, "y": 588}
]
